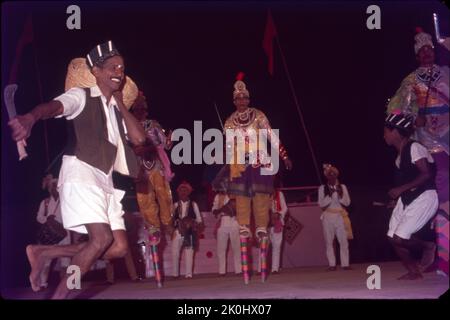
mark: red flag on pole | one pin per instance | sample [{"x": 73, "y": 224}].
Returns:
[
  {"x": 269, "y": 34},
  {"x": 25, "y": 39}
]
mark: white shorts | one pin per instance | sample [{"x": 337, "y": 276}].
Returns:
[
  {"x": 406, "y": 221},
  {"x": 83, "y": 204}
]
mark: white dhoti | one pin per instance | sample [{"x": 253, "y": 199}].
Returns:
[{"x": 408, "y": 220}]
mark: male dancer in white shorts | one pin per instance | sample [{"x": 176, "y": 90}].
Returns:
[{"x": 100, "y": 131}]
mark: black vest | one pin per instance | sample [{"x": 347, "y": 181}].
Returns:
[
  {"x": 190, "y": 235},
  {"x": 408, "y": 172},
  {"x": 190, "y": 213},
  {"x": 88, "y": 138}
]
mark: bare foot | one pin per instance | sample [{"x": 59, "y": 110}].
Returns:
[
  {"x": 36, "y": 267},
  {"x": 411, "y": 276}
]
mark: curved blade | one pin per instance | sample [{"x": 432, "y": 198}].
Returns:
[{"x": 9, "y": 92}]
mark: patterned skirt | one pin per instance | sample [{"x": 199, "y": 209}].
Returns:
[{"x": 251, "y": 182}]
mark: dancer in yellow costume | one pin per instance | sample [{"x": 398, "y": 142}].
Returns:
[
  {"x": 247, "y": 184},
  {"x": 152, "y": 188}
]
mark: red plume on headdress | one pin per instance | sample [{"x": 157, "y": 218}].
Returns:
[
  {"x": 240, "y": 76},
  {"x": 419, "y": 30}
]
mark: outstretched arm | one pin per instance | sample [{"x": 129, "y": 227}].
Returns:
[{"x": 21, "y": 125}]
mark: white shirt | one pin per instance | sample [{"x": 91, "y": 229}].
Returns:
[
  {"x": 283, "y": 206},
  {"x": 216, "y": 202},
  {"x": 333, "y": 202},
  {"x": 418, "y": 152},
  {"x": 184, "y": 210},
  {"x": 226, "y": 221},
  {"x": 53, "y": 209},
  {"x": 74, "y": 170}
]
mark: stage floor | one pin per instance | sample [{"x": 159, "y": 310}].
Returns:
[{"x": 293, "y": 283}]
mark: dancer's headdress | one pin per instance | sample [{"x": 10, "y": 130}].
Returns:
[
  {"x": 101, "y": 52},
  {"x": 328, "y": 168},
  {"x": 239, "y": 86},
  {"x": 422, "y": 39},
  {"x": 400, "y": 121}
]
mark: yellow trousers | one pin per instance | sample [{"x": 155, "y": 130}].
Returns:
[
  {"x": 158, "y": 200},
  {"x": 261, "y": 205}
]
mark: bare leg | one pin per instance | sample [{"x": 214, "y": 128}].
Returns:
[
  {"x": 110, "y": 272},
  {"x": 119, "y": 249},
  {"x": 428, "y": 249},
  {"x": 401, "y": 247},
  {"x": 131, "y": 268},
  {"x": 119, "y": 246},
  {"x": 38, "y": 254},
  {"x": 100, "y": 238}
]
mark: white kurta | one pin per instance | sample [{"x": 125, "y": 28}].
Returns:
[{"x": 333, "y": 224}]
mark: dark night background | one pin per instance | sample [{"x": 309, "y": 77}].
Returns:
[{"x": 185, "y": 56}]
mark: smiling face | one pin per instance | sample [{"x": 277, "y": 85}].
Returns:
[{"x": 111, "y": 74}]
